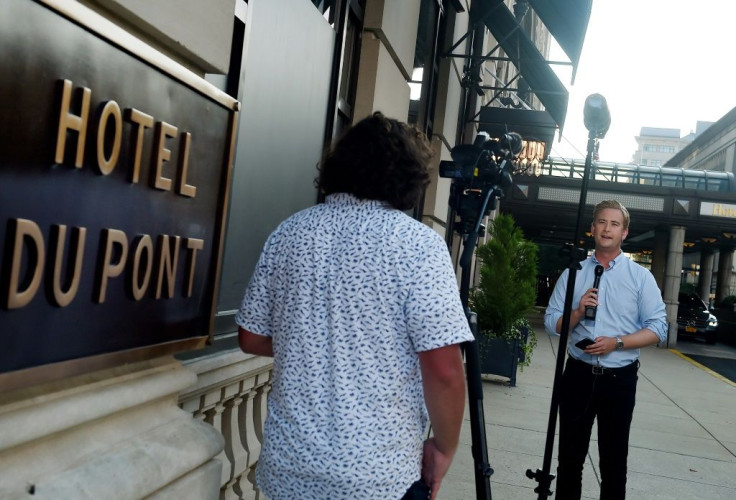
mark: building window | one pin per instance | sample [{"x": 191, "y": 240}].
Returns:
[
  {"x": 327, "y": 8},
  {"x": 658, "y": 148},
  {"x": 349, "y": 71},
  {"x": 423, "y": 83},
  {"x": 348, "y": 25}
]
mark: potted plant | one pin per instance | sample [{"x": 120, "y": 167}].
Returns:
[{"x": 505, "y": 294}]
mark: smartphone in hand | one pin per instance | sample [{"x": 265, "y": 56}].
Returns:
[{"x": 584, "y": 343}]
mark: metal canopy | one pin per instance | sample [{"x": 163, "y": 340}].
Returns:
[
  {"x": 522, "y": 52},
  {"x": 531, "y": 124},
  {"x": 567, "y": 22}
]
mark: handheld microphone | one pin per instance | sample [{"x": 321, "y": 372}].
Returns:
[{"x": 590, "y": 310}]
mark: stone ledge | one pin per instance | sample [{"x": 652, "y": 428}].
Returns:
[
  {"x": 116, "y": 436},
  {"x": 140, "y": 466},
  {"x": 89, "y": 398}
]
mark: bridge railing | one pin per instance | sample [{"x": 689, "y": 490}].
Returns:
[{"x": 705, "y": 180}]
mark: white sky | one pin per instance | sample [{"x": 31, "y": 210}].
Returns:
[{"x": 658, "y": 63}]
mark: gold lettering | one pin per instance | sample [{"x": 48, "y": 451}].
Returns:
[
  {"x": 143, "y": 121},
  {"x": 22, "y": 229},
  {"x": 60, "y": 297},
  {"x": 719, "y": 210},
  {"x": 167, "y": 264},
  {"x": 144, "y": 244},
  {"x": 193, "y": 244},
  {"x": 69, "y": 121},
  {"x": 163, "y": 154},
  {"x": 184, "y": 188},
  {"x": 108, "y": 269},
  {"x": 107, "y": 165}
]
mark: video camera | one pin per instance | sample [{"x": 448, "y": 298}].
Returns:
[
  {"x": 486, "y": 162},
  {"x": 479, "y": 171}
]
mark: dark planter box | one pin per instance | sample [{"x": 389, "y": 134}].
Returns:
[{"x": 500, "y": 357}]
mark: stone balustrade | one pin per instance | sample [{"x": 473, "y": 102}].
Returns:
[{"x": 230, "y": 394}]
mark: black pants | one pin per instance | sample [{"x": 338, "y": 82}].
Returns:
[
  {"x": 417, "y": 491},
  {"x": 610, "y": 397}
]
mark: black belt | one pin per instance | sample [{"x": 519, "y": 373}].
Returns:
[{"x": 603, "y": 370}]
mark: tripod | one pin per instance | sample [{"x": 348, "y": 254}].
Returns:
[
  {"x": 597, "y": 121},
  {"x": 471, "y": 230},
  {"x": 481, "y": 172}
]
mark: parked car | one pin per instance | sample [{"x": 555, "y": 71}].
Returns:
[{"x": 694, "y": 319}]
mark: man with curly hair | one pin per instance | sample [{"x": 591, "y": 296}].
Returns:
[{"x": 358, "y": 304}]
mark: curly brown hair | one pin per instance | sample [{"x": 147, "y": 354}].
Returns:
[{"x": 379, "y": 158}]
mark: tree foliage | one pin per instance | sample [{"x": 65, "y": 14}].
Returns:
[{"x": 508, "y": 274}]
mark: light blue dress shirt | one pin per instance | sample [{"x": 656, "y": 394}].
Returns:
[{"x": 628, "y": 300}]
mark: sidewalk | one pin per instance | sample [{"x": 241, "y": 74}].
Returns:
[{"x": 683, "y": 436}]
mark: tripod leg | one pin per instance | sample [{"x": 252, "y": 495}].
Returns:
[{"x": 483, "y": 470}]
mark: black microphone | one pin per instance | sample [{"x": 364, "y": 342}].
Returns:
[{"x": 590, "y": 310}]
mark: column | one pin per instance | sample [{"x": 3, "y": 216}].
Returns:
[
  {"x": 659, "y": 257},
  {"x": 673, "y": 273},
  {"x": 706, "y": 274},
  {"x": 730, "y": 159},
  {"x": 725, "y": 271}
]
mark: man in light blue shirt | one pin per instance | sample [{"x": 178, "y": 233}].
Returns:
[{"x": 600, "y": 380}]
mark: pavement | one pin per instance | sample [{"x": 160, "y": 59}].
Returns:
[{"x": 683, "y": 435}]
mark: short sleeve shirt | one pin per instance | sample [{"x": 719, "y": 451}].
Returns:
[{"x": 350, "y": 291}]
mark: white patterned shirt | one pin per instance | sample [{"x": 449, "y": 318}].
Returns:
[{"x": 350, "y": 291}]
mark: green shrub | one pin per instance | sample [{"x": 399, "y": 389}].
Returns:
[{"x": 508, "y": 274}]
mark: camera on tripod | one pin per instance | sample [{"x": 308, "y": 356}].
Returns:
[{"x": 480, "y": 171}]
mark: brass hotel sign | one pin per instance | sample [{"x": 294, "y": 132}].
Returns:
[
  {"x": 718, "y": 209},
  {"x": 114, "y": 173}
]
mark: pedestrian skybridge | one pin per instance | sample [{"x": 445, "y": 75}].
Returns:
[
  {"x": 545, "y": 203},
  {"x": 705, "y": 180}
]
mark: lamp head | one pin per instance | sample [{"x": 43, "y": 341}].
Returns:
[{"x": 596, "y": 116}]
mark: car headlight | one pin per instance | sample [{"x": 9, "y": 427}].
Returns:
[{"x": 712, "y": 321}]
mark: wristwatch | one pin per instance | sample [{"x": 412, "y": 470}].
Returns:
[{"x": 619, "y": 343}]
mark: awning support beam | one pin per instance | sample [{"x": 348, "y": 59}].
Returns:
[{"x": 514, "y": 46}]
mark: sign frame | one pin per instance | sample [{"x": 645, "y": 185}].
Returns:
[{"x": 107, "y": 31}]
